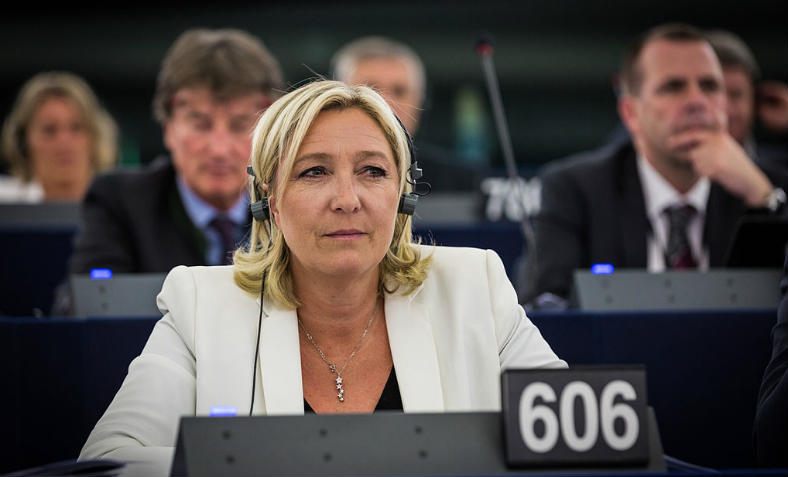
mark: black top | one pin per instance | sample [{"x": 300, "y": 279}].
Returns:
[{"x": 389, "y": 400}]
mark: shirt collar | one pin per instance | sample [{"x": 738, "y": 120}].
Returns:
[
  {"x": 659, "y": 194},
  {"x": 201, "y": 212}
]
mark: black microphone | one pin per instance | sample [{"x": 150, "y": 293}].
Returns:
[{"x": 484, "y": 48}]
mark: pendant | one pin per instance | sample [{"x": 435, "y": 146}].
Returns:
[{"x": 341, "y": 394}]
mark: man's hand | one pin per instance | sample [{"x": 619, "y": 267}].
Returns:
[
  {"x": 773, "y": 106},
  {"x": 716, "y": 155}
]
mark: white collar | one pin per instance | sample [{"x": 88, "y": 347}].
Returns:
[{"x": 658, "y": 193}]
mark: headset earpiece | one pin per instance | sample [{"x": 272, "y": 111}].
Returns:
[
  {"x": 407, "y": 202},
  {"x": 260, "y": 209}
]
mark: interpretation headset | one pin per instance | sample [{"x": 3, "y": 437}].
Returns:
[
  {"x": 407, "y": 202},
  {"x": 261, "y": 212}
]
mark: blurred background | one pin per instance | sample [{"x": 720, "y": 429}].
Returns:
[{"x": 555, "y": 58}]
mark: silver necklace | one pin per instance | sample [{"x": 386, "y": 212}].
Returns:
[{"x": 331, "y": 366}]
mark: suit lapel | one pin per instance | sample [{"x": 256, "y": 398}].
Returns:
[
  {"x": 722, "y": 213},
  {"x": 189, "y": 234},
  {"x": 633, "y": 220},
  {"x": 280, "y": 362},
  {"x": 414, "y": 353}
]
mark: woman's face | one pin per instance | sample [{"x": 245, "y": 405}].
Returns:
[
  {"x": 340, "y": 199},
  {"x": 58, "y": 143}
]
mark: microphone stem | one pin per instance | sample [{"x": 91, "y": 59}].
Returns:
[
  {"x": 526, "y": 227},
  {"x": 498, "y": 114}
]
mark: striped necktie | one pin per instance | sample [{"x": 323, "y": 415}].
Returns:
[
  {"x": 226, "y": 229},
  {"x": 678, "y": 254}
]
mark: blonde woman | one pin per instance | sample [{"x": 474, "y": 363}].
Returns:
[
  {"x": 332, "y": 308},
  {"x": 55, "y": 139}
]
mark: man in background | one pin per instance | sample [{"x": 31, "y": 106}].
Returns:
[
  {"x": 395, "y": 71},
  {"x": 748, "y": 99},
  {"x": 189, "y": 207},
  {"x": 671, "y": 198}
]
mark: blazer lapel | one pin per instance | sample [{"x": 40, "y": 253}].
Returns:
[
  {"x": 633, "y": 220},
  {"x": 414, "y": 354},
  {"x": 723, "y": 211},
  {"x": 280, "y": 362},
  {"x": 191, "y": 238}
]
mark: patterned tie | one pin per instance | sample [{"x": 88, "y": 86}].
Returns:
[
  {"x": 679, "y": 253},
  {"x": 226, "y": 229}
]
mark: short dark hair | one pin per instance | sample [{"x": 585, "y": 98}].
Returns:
[
  {"x": 630, "y": 73},
  {"x": 734, "y": 53},
  {"x": 229, "y": 62}
]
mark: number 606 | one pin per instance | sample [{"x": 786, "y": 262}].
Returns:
[{"x": 602, "y": 413}]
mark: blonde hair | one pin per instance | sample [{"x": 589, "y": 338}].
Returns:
[
  {"x": 102, "y": 128},
  {"x": 276, "y": 141}
]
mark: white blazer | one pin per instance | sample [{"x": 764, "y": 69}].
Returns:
[{"x": 449, "y": 340}]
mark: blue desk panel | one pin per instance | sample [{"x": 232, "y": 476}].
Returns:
[
  {"x": 703, "y": 370},
  {"x": 34, "y": 262},
  {"x": 504, "y": 237}
]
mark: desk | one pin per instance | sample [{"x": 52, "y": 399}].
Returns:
[
  {"x": 703, "y": 369},
  {"x": 58, "y": 377},
  {"x": 34, "y": 262}
]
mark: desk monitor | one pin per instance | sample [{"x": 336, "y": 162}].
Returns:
[
  {"x": 759, "y": 241},
  {"x": 378, "y": 444},
  {"x": 47, "y": 215},
  {"x": 627, "y": 290},
  {"x": 120, "y": 295}
]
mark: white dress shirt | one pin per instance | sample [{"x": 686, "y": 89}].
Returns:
[
  {"x": 201, "y": 213},
  {"x": 658, "y": 194}
]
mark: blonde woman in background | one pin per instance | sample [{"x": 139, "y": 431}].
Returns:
[{"x": 55, "y": 139}]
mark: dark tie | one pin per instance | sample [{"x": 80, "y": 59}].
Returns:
[
  {"x": 226, "y": 229},
  {"x": 679, "y": 253}
]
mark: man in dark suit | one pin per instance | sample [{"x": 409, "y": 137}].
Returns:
[
  {"x": 671, "y": 197},
  {"x": 190, "y": 207}
]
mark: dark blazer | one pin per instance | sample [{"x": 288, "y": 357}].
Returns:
[
  {"x": 135, "y": 222},
  {"x": 773, "y": 159},
  {"x": 771, "y": 416},
  {"x": 593, "y": 211}
]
